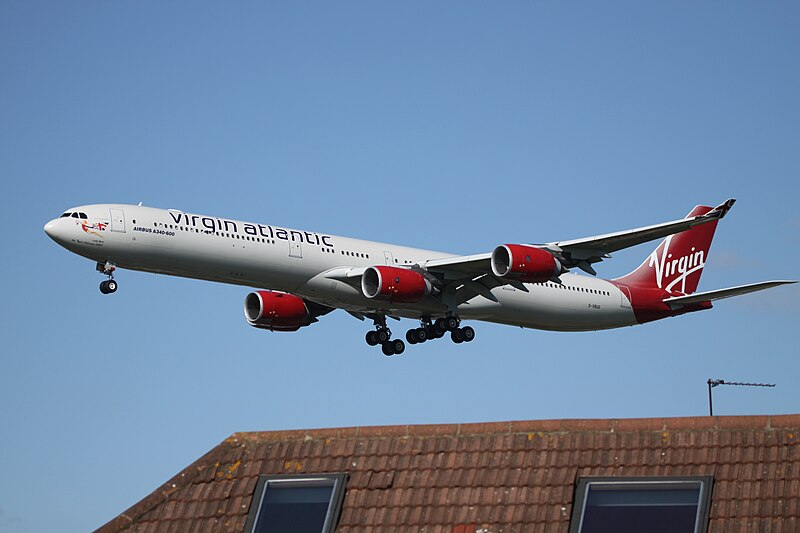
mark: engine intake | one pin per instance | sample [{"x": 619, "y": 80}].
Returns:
[
  {"x": 399, "y": 285},
  {"x": 276, "y": 311},
  {"x": 525, "y": 263}
]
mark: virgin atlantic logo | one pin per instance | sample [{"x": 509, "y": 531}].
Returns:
[{"x": 681, "y": 267}]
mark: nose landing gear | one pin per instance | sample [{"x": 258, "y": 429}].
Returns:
[{"x": 109, "y": 286}]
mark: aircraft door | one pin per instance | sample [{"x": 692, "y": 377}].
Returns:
[
  {"x": 387, "y": 256},
  {"x": 625, "y": 297},
  {"x": 117, "y": 220},
  {"x": 295, "y": 249}
]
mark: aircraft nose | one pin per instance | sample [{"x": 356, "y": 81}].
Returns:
[{"x": 55, "y": 230}]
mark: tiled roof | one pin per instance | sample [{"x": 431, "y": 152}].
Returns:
[{"x": 502, "y": 476}]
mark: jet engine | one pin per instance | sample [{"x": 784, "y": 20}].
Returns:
[
  {"x": 399, "y": 285},
  {"x": 525, "y": 263},
  {"x": 276, "y": 311}
]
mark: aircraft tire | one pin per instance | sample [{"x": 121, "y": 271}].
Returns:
[
  {"x": 371, "y": 338},
  {"x": 382, "y": 336},
  {"x": 451, "y": 323},
  {"x": 422, "y": 335},
  {"x": 111, "y": 285},
  {"x": 398, "y": 346},
  {"x": 386, "y": 347},
  {"x": 456, "y": 336},
  {"x": 467, "y": 333},
  {"x": 412, "y": 336}
]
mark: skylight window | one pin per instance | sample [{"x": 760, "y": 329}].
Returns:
[
  {"x": 655, "y": 505},
  {"x": 296, "y": 504}
]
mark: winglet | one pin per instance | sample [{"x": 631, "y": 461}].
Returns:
[{"x": 721, "y": 210}]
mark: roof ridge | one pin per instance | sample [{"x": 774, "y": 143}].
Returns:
[{"x": 602, "y": 425}]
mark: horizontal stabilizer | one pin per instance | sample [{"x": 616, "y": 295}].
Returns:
[{"x": 707, "y": 296}]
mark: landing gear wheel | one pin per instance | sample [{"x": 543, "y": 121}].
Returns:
[
  {"x": 467, "y": 333},
  {"x": 398, "y": 346},
  {"x": 412, "y": 336},
  {"x": 387, "y": 349},
  {"x": 457, "y": 336},
  {"x": 371, "y": 338},
  {"x": 422, "y": 334},
  {"x": 382, "y": 335},
  {"x": 438, "y": 329},
  {"x": 450, "y": 323},
  {"x": 109, "y": 286}
]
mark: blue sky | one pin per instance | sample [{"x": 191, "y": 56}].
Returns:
[{"x": 454, "y": 126}]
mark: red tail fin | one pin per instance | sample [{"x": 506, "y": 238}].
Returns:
[{"x": 675, "y": 266}]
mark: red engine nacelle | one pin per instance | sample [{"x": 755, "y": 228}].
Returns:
[
  {"x": 399, "y": 285},
  {"x": 276, "y": 311},
  {"x": 525, "y": 263}
]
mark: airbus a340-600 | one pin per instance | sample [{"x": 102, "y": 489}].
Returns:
[{"x": 302, "y": 275}]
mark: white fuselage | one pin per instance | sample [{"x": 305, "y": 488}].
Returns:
[{"x": 271, "y": 257}]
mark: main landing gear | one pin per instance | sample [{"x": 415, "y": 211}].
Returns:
[
  {"x": 108, "y": 286},
  {"x": 428, "y": 330},
  {"x": 383, "y": 336},
  {"x": 435, "y": 330}
]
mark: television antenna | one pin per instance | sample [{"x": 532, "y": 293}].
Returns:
[{"x": 714, "y": 382}]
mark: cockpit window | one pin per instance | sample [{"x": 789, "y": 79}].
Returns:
[
  {"x": 75, "y": 215},
  {"x": 82, "y": 215},
  {"x": 65, "y": 215}
]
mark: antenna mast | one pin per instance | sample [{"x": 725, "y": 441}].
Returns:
[{"x": 714, "y": 382}]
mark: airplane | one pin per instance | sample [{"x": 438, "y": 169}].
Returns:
[{"x": 302, "y": 275}]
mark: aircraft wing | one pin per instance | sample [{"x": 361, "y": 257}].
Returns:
[
  {"x": 707, "y": 296},
  {"x": 471, "y": 275},
  {"x": 582, "y": 253}
]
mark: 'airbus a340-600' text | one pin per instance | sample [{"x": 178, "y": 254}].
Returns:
[{"x": 301, "y": 275}]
